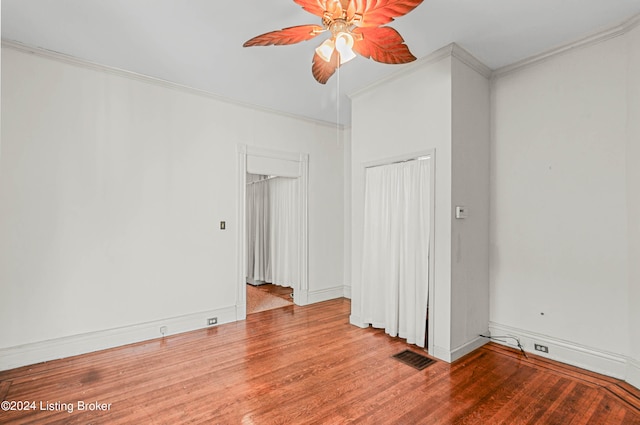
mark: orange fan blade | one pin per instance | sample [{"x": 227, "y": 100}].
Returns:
[
  {"x": 291, "y": 35},
  {"x": 323, "y": 70},
  {"x": 316, "y": 7},
  {"x": 355, "y": 6},
  {"x": 380, "y": 12},
  {"x": 382, "y": 44}
]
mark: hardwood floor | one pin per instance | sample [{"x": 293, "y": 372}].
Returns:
[
  {"x": 279, "y": 291},
  {"x": 283, "y": 292},
  {"x": 308, "y": 365},
  {"x": 266, "y": 297}
]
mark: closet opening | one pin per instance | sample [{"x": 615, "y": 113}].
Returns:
[{"x": 397, "y": 258}]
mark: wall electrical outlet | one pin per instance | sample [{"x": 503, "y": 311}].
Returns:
[
  {"x": 212, "y": 321},
  {"x": 542, "y": 348}
]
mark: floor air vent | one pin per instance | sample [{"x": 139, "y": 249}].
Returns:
[{"x": 413, "y": 359}]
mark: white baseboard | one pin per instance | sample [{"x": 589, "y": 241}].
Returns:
[
  {"x": 325, "y": 294},
  {"x": 633, "y": 372},
  {"x": 438, "y": 352},
  {"x": 357, "y": 321},
  {"x": 441, "y": 353},
  {"x": 465, "y": 349},
  {"x": 589, "y": 358},
  {"x": 300, "y": 297},
  {"x": 27, "y": 354},
  {"x": 241, "y": 311},
  {"x": 453, "y": 355},
  {"x": 346, "y": 291}
]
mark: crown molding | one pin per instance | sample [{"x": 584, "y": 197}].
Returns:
[
  {"x": 471, "y": 61},
  {"x": 410, "y": 68},
  {"x": 82, "y": 63},
  {"x": 450, "y": 50},
  {"x": 590, "y": 40}
]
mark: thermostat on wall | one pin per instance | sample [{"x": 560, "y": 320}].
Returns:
[{"x": 461, "y": 212}]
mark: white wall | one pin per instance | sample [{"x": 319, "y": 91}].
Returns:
[
  {"x": 111, "y": 190},
  {"x": 559, "y": 225},
  {"x": 633, "y": 201},
  {"x": 470, "y": 188}
]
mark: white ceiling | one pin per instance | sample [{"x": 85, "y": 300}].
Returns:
[{"x": 198, "y": 43}]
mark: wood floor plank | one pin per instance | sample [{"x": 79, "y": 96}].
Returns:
[
  {"x": 518, "y": 401},
  {"x": 4, "y": 389},
  {"x": 308, "y": 365}
]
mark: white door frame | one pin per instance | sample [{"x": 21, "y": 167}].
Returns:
[
  {"x": 301, "y": 166},
  {"x": 431, "y": 153}
]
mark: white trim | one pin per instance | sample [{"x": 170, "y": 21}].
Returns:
[
  {"x": 410, "y": 68},
  {"x": 461, "y": 351},
  {"x": 301, "y": 297},
  {"x": 633, "y": 372},
  {"x": 471, "y": 61},
  {"x": 399, "y": 158},
  {"x": 273, "y": 154},
  {"x": 589, "y": 358},
  {"x": 441, "y": 353},
  {"x": 241, "y": 270},
  {"x": 587, "y": 41},
  {"x": 431, "y": 325},
  {"x": 27, "y": 354},
  {"x": 82, "y": 63},
  {"x": 454, "y": 50},
  {"x": 465, "y": 349},
  {"x": 303, "y": 285},
  {"x": 325, "y": 294},
  {"x": 357, "y": 321},
  {"x": 450, "y": 50},
  {"x": 346, "y": 291}
]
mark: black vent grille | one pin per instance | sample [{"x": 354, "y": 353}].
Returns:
[{"x": 413, "y": 359}]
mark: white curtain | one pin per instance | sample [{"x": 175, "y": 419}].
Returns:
[
  {"x": 273, "y": 231},
  {"x": 395, "y": 264},
  {"x": 258, "y": 243}
]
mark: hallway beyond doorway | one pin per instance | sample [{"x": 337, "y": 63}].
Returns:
[{"x": 267, "y": 297}]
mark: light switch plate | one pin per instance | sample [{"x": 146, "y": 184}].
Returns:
[{"x": 461, "y": 212}]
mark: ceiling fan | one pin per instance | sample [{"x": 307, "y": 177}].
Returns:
[{"x": 355, "y": 27}]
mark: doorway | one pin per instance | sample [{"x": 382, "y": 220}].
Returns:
[
  {"x": 288, "y": 167},
  {"x": 272, "y": 241}
]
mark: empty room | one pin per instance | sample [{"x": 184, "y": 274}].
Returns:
[{"x": 320, "y": 211}]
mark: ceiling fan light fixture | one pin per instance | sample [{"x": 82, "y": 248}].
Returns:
[
  {"x": 325, "y": 50},
  {"x": 344, "y": 46},
  {"x": 356, "y": 27}
]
